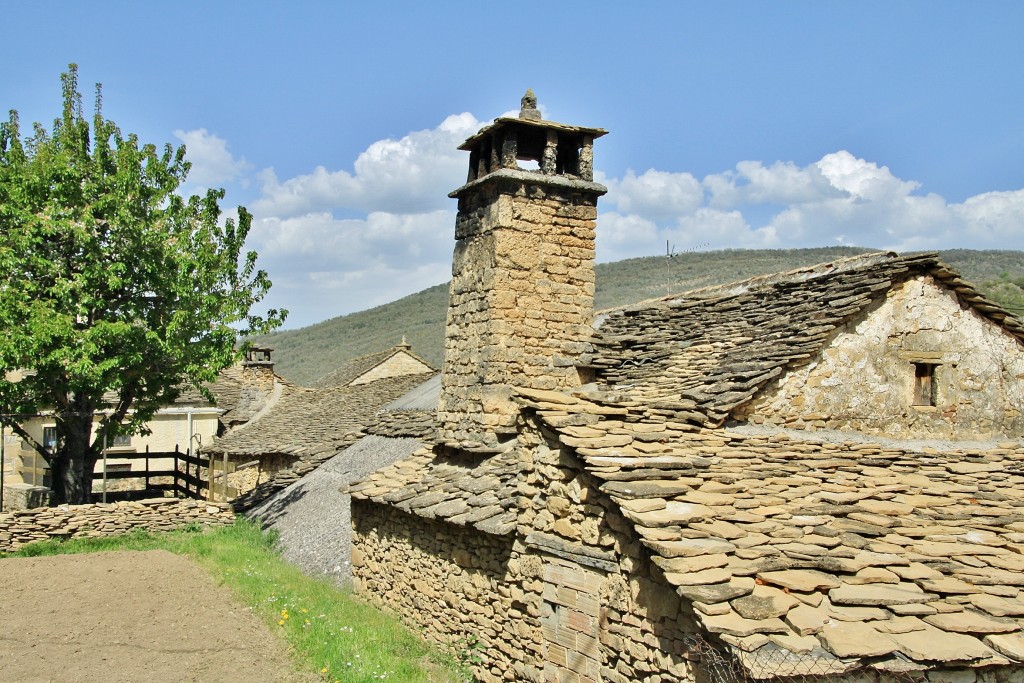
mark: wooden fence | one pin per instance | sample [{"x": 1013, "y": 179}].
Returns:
[{"x": 184, "y": 475}]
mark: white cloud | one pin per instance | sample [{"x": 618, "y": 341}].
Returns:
[
  {"x": 655, "y": 194},
  {"x": 212, "y": 164},
  {"x": 322, "y": 266},
  {"x": 409, "y": 175},
  {"x": 781, "y": 183},
  {"x": 994, "y": 219},
  {"x": 709, "y": 227},
  {"x": 863, "y": 179},
  {"x": 337, "y": 241},
  {"x": 319, "y": 242},
  {"x": 839, "y": 199},
  {"x": 620, "y": 237}
]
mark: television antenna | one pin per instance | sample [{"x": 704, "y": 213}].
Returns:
[{"x": 670, "y": 253}]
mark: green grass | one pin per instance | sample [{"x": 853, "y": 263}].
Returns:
[{"x": 327, "y": 630}]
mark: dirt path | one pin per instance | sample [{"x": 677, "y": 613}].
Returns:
[{"x": 129, "y": 616}]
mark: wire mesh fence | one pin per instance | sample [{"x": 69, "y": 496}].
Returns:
[{"x": 779, "y": 665}]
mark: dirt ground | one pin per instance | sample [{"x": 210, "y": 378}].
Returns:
[{"x": 129, "y": 616}]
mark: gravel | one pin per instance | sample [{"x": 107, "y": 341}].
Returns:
[{"x": 313, "y": 517}]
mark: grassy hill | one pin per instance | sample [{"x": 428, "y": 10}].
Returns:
[{"x": 305, "y": 354}]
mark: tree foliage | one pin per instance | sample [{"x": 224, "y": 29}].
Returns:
[
  {"x": 116, "y": 293},
  {"x": 1007, "y": 291}
]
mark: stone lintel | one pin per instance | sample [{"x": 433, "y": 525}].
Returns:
[
  {"x": 516, "y": 122},
  {"x": 520, "y": 176},
  {"x": 580, "y": 554}
]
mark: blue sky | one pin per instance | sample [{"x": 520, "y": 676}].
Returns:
[{"x": 732, "y": 125}]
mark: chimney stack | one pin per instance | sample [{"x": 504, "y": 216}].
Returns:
[{"x": 521, "y": 302}]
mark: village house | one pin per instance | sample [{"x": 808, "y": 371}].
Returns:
[
  {"x": 240, "y": 392},
  {"x": 398, "y": 361},
  {"x": 299, "y": 428},
  {"x": 816, "y": 474}
]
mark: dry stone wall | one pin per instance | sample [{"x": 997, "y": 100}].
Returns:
[
  {"x": 593, "y": 559},
  {"x": 108, "y": 519},
  {"x": 521, "y": 301},
  {"x": 454, "y": 584},
  {"x": 572, "y": 595},
  {"x": 569, "y": 597},
  {"x": 865, "y": 379}
]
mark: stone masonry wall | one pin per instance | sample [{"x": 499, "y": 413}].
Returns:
[
  {"x": 108, "y": 519},
  {"x": 398, "y": 365},
  {"x": 592, "y": 556},
  {"x": 865, "y": 379},
  {"x": 520, "y": 306},
  {"x": 571, "y": 597},
  {"x": 453, "y": 584}
]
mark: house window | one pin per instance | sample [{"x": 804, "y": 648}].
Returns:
[
  {"x": 121, "y": 441},
  {"x": 50, "y": 438},
  {"x": 925, "y": 386}
]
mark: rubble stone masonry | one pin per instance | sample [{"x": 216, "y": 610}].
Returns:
[
  {"x": 521, "y": 300},
  {"x": 568, "y": 597},
  {"x": 108, "y": 519},
  {"x": 865, "y": 379}
]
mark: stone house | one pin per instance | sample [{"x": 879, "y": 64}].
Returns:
[
  {"x": 813, "y": 475},
  {"x": 298, "y": 428},
  {"x": 398, "y": 361}
]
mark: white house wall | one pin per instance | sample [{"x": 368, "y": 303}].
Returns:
[{"x": 170, "y": 430}]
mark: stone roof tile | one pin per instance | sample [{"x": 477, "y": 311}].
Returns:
[
  {"x": 467, "y": 490},
  {"x": 301, "y": 420},
  {"x": 716, "y": 347},
  {"x": 918, "y": 561}
]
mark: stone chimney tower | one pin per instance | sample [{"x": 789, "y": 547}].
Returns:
[{"x": 522, "y": 292}]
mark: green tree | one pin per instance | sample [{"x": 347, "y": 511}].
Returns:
[
  {"x": 116, "y": 293},
  {"x": 1007, "y": 291}
]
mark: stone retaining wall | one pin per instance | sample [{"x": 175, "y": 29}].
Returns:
[
  {"x": 457, "y": 586},
  {"x": 108, "y": 519}
]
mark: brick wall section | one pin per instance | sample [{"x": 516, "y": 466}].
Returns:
[
  {"x": 108, "y": 519},
  {"x": 521, "y": 303},
  {"x": 569, "y": 623}
]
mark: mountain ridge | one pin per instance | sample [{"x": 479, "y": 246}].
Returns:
[{"x": 305, "y": 354}]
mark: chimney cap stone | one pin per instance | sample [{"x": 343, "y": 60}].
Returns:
[{"x": 528, "y": 106}]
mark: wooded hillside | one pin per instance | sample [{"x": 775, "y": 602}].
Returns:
[{"x": 305, "y": 354}]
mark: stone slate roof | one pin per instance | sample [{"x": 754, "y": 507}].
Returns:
[
  {"x": 242, "y": 397},
  {"x": 807, "y": 552},
  {"x": 302, "y": 420},
  {"x": 461, "y": 490},
  {"x": 412, "y": 415},
  {"x": 810, "y": 554},
  {"x": 304, "y": 464},
  {"x": 700, "y": 355},
  {"x": 353, "y": 369}
]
